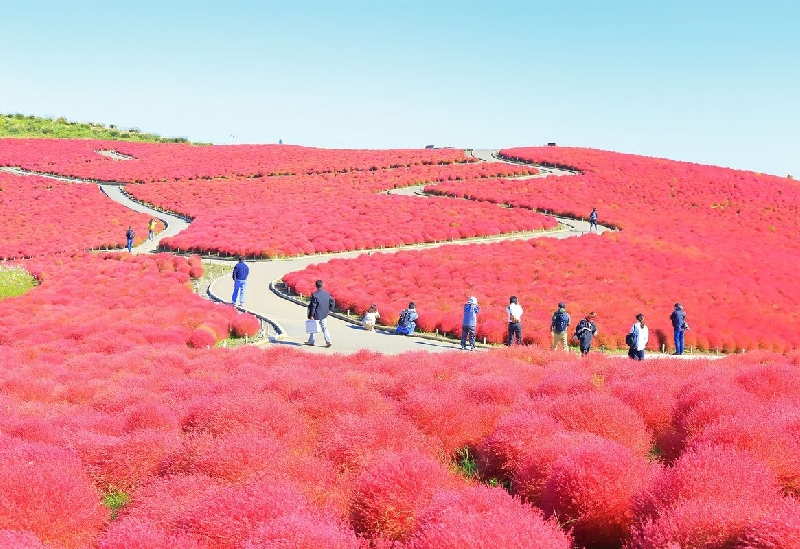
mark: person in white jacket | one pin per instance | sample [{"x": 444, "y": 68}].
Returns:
[{"x": 640, "y": 336}]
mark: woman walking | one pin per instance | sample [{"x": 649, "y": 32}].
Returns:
[{"x": 640, "y": 335}]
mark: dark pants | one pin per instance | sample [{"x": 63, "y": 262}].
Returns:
[
  {"x": 636, "y": 355},
  {"x": 467, "y": 331},
  {"x": 585, "y": 344},
  {"x": 678, "y": 341},
  {"x": 514, "y": 328}
]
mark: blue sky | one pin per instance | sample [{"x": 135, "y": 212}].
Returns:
[{"x": 716, "y": 82}]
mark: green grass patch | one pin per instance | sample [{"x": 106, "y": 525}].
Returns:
[
  {"x": 20, "y": 125},
  {"x": 115, "y": 500},
  {"x": 15, "y": 281}
]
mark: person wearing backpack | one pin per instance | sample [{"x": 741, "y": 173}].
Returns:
[
  {"x": 407, "y": 322},
  {"x": 585, "y": 331},
  {"x": 469, "y": 323},
  {"x": 638, "y": 336},
  {"x": 678, "y": 319},
  {"x": 514, "y": 312},
  {"x": 593, "y": 220},
  {"x": 558, "y": 327},
  {"x": 129, "y": 236}
]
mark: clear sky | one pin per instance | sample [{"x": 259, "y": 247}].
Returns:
[{"x": 710, "y": 81}]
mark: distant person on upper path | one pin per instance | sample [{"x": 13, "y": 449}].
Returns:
[
  {"x": 370, "y": 318},
  {"x": 318, "y": 309},
  {"x": 240, "y": 273},
  {"x": 585, "y": 331},
  {"x": 407, "y": 322},
  {"x": 593, "y": 220},
  {"x": 151, "y": 228},
  {"x": 678, "y": 318},
  {"x": 514, "y": 312},
  {"x": 469, "y": 323},
  {"x": 558, "y": 327},
  {"x": 640, "y": 334},
  {"x": 129, "y": 236}
]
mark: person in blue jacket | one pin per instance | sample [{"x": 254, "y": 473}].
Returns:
[
  {"x": 240, "y": 273},
  {"x": 469, "y": 323},
  {"x": 129, "y": 236},
  {"x": 678, "y": 318},
  {"x": 407, "y": 322}
]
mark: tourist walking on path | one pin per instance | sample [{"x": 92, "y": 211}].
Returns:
[
  {"x": 240, "y": 273},
  {"x": 593, "y": 220},
  {"x": 151, "y": 228},
  {"x": 585, "y": 331},
  {"x": 678, "y": 318},
  {"x": 514, "y": 312},
  {"x": 407, "y": 322},
  {"x": 558, "y": 327},
  {"x": 640, "y": 335},
  {"x": 370, "y": 318},
  {"x": 129, "y": 236},
  {"x": 469, "y": 323},
  {"x": 318, "y": 309}
]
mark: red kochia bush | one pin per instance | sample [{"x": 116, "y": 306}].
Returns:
[
  {"x": 390, "y": 492},
  {"x": 779, "y": 529},
  {"x": 18, "y": 539},
  {"x": 591, "y": 488},
  {"x": 134, "y": 533},
  {"x": 484, "y": 517},
  {"x": 245, "y": 325},
  {"x": 705, "y": 500},
  {"x": 46, "y": 491},
  {"x": 303, "y": 531},
  {"x": 499, "y": 453},
  {"x": 202, "y": 337}
]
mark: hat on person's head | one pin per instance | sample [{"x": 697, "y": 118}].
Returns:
[
  {"x": 562, "y": 305},
  {"x": 678, "y": 306},
  {"x": 472, "y": 300}
]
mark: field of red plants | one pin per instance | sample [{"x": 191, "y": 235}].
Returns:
[
  {"x": 123, "y": 426},
  {"x": 693, "y": 234},
  {"x": 43, "y": 216},
  {"x": 174, "y": 161}
]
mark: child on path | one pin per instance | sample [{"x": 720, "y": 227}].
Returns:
[
  {"x": 370, "y": 317},
  {"x": 151, "y": 228}
]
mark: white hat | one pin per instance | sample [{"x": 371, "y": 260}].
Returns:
[{"x": 473, "y": 300}]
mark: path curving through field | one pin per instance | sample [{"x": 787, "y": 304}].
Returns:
[{"x": 287, "y": 315}]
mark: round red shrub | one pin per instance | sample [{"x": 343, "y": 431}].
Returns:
[
  {"x": 46, "y": 491},
  {"x": 202, "y": 337},
  {"x": 245, "y": 325},
  {"x": 778, "y": 529},
  {"x": 391, "y": 491},
  {"x": 591, "y": 488},
  {"x": 480, "y": 516}
]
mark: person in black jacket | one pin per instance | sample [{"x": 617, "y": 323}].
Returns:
[
  {"x": 585, "y": 331},
  {"x": 321, "y": 304},
  {"x": 129, "y": 236},
  {"x": 678, "y": 318}
]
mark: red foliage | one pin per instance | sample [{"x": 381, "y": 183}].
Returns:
[
  {"x": 18, "y": 539},
  {"x": 47, "y": 492},
  {"x": 479, "y": 516},
  {"x": 43, "y": 216},
  {"x": 245, "y": 325},
  {"x": 390, "y": 492},
  {"x": 779, "y": 529},
  {"x": 591, "y": 488}
]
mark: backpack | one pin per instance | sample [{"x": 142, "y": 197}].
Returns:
[
  {"x": 405, "y": 317},
  {"x": 560, "y": 321},
  {"x": 630, "y": 340}
]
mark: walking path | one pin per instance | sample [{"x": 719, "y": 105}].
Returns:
[{"x": 287, "y": 315}]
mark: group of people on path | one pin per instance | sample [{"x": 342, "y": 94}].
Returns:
[{"x": 130, "y": 234}]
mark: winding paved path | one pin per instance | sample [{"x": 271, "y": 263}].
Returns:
[{"x": 287, "y": 316}]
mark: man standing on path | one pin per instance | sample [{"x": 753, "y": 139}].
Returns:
[
  {"x": 593, "y": 220},
  {"x": 469, "y": 323},
  {"x": 678, "y": 318},
  {"x": 514, "y": 311},
  {"x": 240, "y": 272},
  {"x": 321, "y": 304},
  {"x": 558, "y": 327},
  {"x": 129, "y": 236}
]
